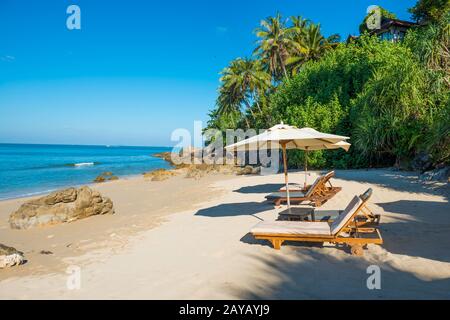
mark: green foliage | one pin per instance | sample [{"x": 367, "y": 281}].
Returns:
[
  {"x": 374, "y": 91},
  {"x": 431, "y": 46},
  {"x": 223, "y": 121},
  {"x": 430, "y": 10},
  {"x": 273, "y": 45},
  {"x": 392, "y": 99},
  {"x": 437, "y": 142},
  {"x": 390, "y": 111}
]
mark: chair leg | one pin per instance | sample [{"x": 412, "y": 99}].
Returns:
[{"x": 276, "y": 243}]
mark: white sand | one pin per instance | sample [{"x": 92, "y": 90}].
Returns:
[{"x": 203, "y": 250}]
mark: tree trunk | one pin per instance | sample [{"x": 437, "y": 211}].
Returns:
[
  {"x": 249, "y": 108},
  {"x": 283, "y": 67},
  {"x": 255, "y": 97}
]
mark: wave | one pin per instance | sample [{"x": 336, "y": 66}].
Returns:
[
  {"x": 54, "y": 166},
  {"x": 82, "y": 164}
]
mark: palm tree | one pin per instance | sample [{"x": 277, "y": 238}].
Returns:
[
  {"x": 228, "y": 103},
  {"x": 298, "y": 29},
  {"x": 243, "y": 82},
  {"x": 297, "y": 32},
  {"x": 274, "y": 45},
  {"x": 316, "y": 44},
  {"x": 310, "y": 44}
]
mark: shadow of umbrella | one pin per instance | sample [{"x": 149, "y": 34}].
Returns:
[
  {"x": 233, "y": 210},
  {"x": 261, "y": 188}
]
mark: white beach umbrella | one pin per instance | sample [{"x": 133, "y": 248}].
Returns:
[{"x": 288, "y": 137}]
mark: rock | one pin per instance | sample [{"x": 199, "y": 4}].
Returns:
[
  {"x": 10, "y": 257},
  {"x": 100, "y": 179},
  {"x": 442, "y": 174},
  {"x": 56, "y": 208},
  {"x": 249, "y": 170},
  {"x": 166, "y": 156},
  {"x": 195, "y": 173},
  {"x": 106, "y": 176},
  {"x": 159, "y": 175},
  {"x": 422, "y": 162},
  {"x": 45, "y": 252}
]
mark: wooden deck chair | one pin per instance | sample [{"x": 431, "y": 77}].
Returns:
[
  {"x": 297, "y": 187},
  {"x": 316, "y": 195},
  {"x": 343, "y": 230},
  {"x": 364, "y": 218}
]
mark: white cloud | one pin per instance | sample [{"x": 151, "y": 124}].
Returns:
[{"x": 7, "y": 58}]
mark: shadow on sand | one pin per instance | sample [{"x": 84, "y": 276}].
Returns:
[
  {"x": 314, "y": 274},
  {"x": 421, "y": 229},
  {"x": 397, "y": 180},
  {"x": 261, "y": 188}
]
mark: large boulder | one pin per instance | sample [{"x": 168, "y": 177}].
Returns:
[
  {"x": 10, "y": 257},
  {"x": 422, "y": 162},
  {"x": 59, "y": 207}
]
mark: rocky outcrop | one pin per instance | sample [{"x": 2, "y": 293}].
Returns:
[
  {"x": 10, "y": 257},
  {"x": 159, "y": 175},
  {"x": 166, "y": 156},
  {"x": 105, "y": 176},
  {"x": 197, "y": 163},
  {"x": 422, "y": 162},
  {"x": 439, "y": 174},
  {"x": 196, "y": 156},
  {"x": 248, "y": 170},
  {"x": 60, "y": 207}
]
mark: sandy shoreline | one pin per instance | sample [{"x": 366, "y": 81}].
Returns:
[
  {"x": 139, "y": 206},
  {"x": 188, "y": 239}
]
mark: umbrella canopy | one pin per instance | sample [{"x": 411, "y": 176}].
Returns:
[
  {"x": 292, "y": 138},
  {"x": 289, "y": 137}
]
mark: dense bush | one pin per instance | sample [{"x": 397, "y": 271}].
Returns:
[
  {"x": 343, "y": 93},
  {"x": 392, "y": 99}
]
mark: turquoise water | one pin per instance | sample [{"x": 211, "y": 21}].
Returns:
[{"x": 34, "y": 169}]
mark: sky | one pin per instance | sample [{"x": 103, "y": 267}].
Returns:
[{"x": 137, "y": 69}]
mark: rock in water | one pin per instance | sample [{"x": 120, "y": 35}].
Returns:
[
  {"x": 105, "y": 176},
  {"x": 10, "y": 257},
  {"x": 59, "y": 207}
]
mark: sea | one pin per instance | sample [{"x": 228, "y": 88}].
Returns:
[{"x": 33, "y": 169}]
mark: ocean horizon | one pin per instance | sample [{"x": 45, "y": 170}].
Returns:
[{"x": 33, "y": 169}]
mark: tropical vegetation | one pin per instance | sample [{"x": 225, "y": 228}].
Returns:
[{"x": 391, "y": 98}]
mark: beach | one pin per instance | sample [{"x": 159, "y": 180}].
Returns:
[{"x": 189, "y": 239}]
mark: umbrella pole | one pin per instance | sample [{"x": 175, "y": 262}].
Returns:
[
  {"x": 286, "y": 176},
  {"x": 306, "y": 167}
]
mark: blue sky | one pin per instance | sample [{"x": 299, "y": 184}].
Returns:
[{"x": 136, "y": 70}]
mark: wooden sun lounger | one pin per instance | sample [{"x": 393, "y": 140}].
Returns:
[
  {"x": 316, "y": 195},
  {"x": 296, "y": 187},
  {"x": 364, "y": 218},
  {"x": 345, "y": 229}
]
